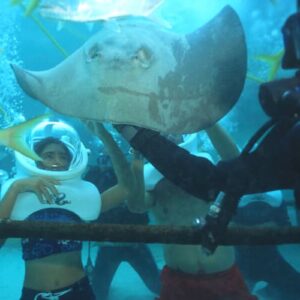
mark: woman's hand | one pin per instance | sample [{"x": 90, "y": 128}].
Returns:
[{"x": 43, "y": 187}]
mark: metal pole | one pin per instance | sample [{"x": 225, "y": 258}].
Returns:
[{"x": 254, "y": 235}]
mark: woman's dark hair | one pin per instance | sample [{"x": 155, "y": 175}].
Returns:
[{"x": 40, "y": 146}]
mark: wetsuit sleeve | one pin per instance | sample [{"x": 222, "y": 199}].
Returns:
[{"x": 196, "y": 175}]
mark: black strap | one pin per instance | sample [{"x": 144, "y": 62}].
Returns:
[{"x": 225, "y": 205}]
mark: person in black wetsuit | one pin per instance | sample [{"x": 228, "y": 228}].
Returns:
[
  {"x": 111, "y": 256},
  {"x": 273, "y": 165}
]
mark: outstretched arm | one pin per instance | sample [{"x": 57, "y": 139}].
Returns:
[
  {"x": 126, "y": 187},
  {"x": 222, "y": 141},
  {"x": 196, "y": 175}
]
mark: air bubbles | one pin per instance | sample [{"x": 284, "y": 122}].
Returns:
[{"x": 10, "y": 96}]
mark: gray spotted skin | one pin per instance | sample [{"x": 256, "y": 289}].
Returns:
[{"x": 137, "y": 72}]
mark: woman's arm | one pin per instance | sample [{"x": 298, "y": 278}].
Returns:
[
  {"x": 8, "y": 201},
  {"x": 222, "y": 142},
  {"x": 7, "y": 204},
  {"x": 125, "y": 188},
  {"x": 42, "y": 187}
]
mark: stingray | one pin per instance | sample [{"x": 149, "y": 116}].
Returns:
[{"x": 135, "y": 71}]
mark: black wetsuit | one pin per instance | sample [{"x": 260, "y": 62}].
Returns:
[
  {"x": 111, "y": 256},
  {"x": 273, "y": 165}
]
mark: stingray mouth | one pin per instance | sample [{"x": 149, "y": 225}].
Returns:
[{"x": 120, "y": 89}]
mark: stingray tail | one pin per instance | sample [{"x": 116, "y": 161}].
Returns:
[{"x": 14, "y": 137}]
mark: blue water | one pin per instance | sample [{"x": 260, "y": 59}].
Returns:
[{"x": 23, "y": 43}]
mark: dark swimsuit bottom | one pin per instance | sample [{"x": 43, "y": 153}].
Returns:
[
  {"x": 34, "y": 248},
  {"x": 80, "y": 290}
]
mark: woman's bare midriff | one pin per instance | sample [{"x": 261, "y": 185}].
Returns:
[{"x": 53, "y": 272}]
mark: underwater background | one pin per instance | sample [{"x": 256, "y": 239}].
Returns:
[{"x": 23, "y": 42}]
